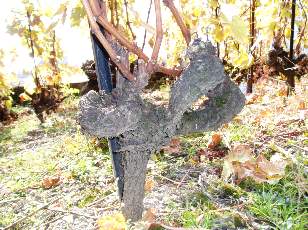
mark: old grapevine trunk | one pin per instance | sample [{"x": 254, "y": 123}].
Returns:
[{"x": 142, "y": 128}]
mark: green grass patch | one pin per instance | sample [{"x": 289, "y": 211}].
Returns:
[{"x": 283, "y": 205}]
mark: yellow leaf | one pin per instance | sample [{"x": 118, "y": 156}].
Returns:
[
  {"x": 197, "y": 12},
  {"x": 243, "y": 60},
  {"x": 8, "y": 104},
  {"x": 239, "y": 30},
  {"x": 151, "y": 42},
  {"x": 137, "y": 22},
  {"x": 115, "y": 221},
  {"x": 213, "y": 3},
  {"x": 287, "y": 32},
  {"x": 218, "y": 34}
]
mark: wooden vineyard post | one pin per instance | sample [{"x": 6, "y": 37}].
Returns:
[{"x": 105, "y": 83}]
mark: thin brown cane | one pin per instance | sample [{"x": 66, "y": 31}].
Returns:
[{"x": 97, "y": 16}]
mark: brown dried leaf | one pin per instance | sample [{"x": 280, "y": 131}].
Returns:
[
  {"x": 149, "y": 185},
  {"x": 174, "y": 147},
  {"x": 216, "y": 140},
  {"x": 301, "y": 105},
  {"x": 240, "y": 153},
  {"x": 271, "y": 171},
  {"x": 211, "y": 154},
  {"x": 241, "y": 164},
  {"x": 283, "y": 92},
  {"x": 251, "y": 98},
  {"x": 150, "y": 215},
  {"x": 51, "y": 181}
]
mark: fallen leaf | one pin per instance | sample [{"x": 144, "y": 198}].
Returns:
[
  {"x": 150, "y": 215},
  {"x": 149, "y": 185},
  {"x": 271, "y": 171},
  {"x": 239, "y": 29},
  {"x": 243, "y": 170},
  {"x": 241, "y": 163},
  {"x": 301, "y": 105},
  {"x": 283, "y": 92},
  {"x": 240, "y": 153},
  {"x": 115, "y": 221},
  {"x": 215, "y": 141},
  {"x": 51, "y": 181},
  {"x": 194, "y": 160},
  {"x": 174, "y": 147},
  {"x": 209, "y": 154},
  {"x": 279, "y": 161},
  {"x": 251, "y": 98},
  {"x": 154, "y": 226},
  {"x": 265, "y": 113},
  {"x": 24, "y": 97}
]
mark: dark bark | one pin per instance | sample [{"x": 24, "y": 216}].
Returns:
[
  {"x": 252, "y": 38},
  {"x": 31, "y": 43},
  {"x": 290, "y": 77}
]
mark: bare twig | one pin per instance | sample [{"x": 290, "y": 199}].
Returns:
[
  {"x": 9, "y": 201},
  {"x": 292, "y": 31},
  {"x": 70, "y": 212},
  {"x": 179, "y": 20},
  {"x": 145, "y": 30},
  {"x": 124, "y": 42},
  {"x": 302, "y": 33},
  {"x": 100, "y": 200},
  {"x": 252, "y": 39},
  {"x": 166, "y": 178},
  {"x": 99, "y": 35},
  {"x": 296, "y": 146},
  {"x": 117, "y": 13},
  {"x": 182, "y": 180},
  {"x": 11, "y": 226},
  {"x": 128, "y": 22},
  {"x": 109, "y": 207},
  {"x": 159, "y": 37},
  {"x": 36, "y": 77},
  {"x": 53, "y": 220}
]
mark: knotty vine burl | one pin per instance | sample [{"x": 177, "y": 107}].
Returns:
[{"x": 136, "y": 128}]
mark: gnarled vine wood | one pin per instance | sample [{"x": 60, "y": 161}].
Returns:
[{"x": 143, "y": 128}]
